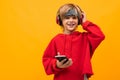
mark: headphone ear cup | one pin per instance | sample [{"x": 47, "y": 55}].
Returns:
[
  {"x": 80, "y": 20},
  {"x": 58, "y": 20}
]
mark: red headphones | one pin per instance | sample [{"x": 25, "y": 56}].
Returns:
[
  {"x": 58, "y": 20},
  {"x": 80, "y": 16}
]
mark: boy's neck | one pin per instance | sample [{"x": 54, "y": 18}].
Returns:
[{"x": 67, "y": 32}]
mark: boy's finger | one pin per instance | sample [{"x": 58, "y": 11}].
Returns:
[
  {"x": 68, "y": 62},
  {"x": 63, "y": 61}
]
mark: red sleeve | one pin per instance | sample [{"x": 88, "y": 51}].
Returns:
[
  {"x": 49, "y": 62},
  {"x": 94, "y": 34}
]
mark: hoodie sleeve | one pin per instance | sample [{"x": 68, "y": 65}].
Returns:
[
  {"x": 94, "y": 34},
  {"x": 49, "y": 62}
]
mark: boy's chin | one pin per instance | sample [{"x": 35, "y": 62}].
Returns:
[{"x": 71, "y": 30}]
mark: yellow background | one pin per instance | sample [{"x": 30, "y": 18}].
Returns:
[{"x": 27, "y": 26}]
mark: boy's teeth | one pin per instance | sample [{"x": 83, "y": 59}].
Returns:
[{"x": 70, "y": 24}]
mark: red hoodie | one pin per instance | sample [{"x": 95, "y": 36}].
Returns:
[{"x": 77, "y": 46}]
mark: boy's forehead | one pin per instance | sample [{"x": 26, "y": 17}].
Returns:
[{"x": 71, "y": 12}]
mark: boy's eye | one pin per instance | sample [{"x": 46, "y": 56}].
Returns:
[
  {"x": 67, "y": 17},
  {"x": 73, "y": 17}
]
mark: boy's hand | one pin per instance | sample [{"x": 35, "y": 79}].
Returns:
[
  {"x": 83, "y": 17},
  {"x": 64, "y": 65}
]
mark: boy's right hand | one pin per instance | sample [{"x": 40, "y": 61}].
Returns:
[{"x": 64, "y": 65}]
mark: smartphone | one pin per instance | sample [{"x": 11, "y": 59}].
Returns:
[{"x": 61, "y": 57}]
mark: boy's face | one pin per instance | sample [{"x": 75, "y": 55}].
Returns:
[{"x": 70, "y": 23}]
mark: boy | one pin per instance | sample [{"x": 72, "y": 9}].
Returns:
[{"x": 78, "y": 47}]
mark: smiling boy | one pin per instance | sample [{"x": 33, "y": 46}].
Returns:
[{"x": 77, "y": 46}]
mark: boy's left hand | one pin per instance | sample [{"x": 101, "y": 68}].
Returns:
[{"x": 64, "y": 65}]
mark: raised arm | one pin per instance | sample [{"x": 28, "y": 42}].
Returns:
[{"x": 94, "y": 33}]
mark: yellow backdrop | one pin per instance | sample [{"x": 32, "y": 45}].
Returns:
[{"x": 27, "y": 26}]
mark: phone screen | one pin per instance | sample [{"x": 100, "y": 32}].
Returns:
[{"x": 61, "y": 57}]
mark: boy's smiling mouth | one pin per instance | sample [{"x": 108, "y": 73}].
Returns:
[{"x": 71, "y": 24}]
